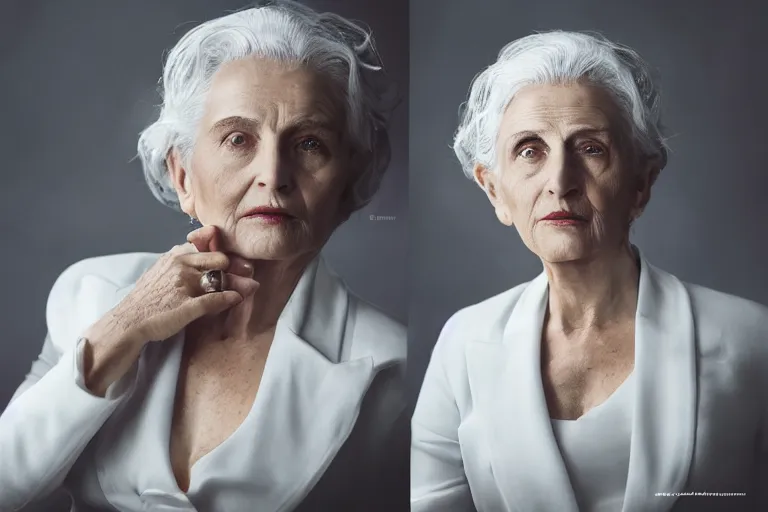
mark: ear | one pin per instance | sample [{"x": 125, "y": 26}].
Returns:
[
  {"x": 181, "y": 182},
  {"x": 357, "y": 160},
  {"x": 646, "y": 179},
  {"x": 488, "y": 181}
]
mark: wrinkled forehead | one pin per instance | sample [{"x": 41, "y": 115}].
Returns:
[
  {"x": 273, "y": 93},
  {"x": 563, "y": 109}
]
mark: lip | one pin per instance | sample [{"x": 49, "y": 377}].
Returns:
[
  {"x": 268, "y": 215},
  {"x": 267, "y": 211},
  {"x": 564, "y": 216}
]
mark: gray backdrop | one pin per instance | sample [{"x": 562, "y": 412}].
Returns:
[
  {"x": 79, "y": 81},
  {"x": 706, "y": 219}
]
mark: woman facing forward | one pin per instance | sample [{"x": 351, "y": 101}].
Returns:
[
  {"x": 605, "y": 384},
  {"x": 235, "y": 372}
]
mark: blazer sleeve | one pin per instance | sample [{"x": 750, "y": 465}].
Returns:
[
  {"x": 438, "y": 482},
  {"x": 52, "y": 416}
]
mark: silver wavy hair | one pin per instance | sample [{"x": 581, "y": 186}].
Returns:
[
  {"x": 285, "y": 31},
  {"x": 551, "y": 58}
]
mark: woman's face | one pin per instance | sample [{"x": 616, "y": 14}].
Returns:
[
  {"x": 560, "y": 149},
  {"x": 270, "y": 136}
]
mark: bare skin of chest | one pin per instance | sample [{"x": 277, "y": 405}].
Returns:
[
  {"x": 582, "y": 372},
  {"x": 216, "y": 389}
]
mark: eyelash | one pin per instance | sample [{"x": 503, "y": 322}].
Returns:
[
  {"x": 318, "y": 147},
  {"x": 600, "y": 150},
  {"x": 525, "y": 148},
  {"x": 228, "y": 140}
]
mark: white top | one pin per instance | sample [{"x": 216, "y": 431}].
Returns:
[{"x": 595, "y": 449}]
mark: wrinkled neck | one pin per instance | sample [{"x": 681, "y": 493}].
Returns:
[{"x": 594, "y": 293}]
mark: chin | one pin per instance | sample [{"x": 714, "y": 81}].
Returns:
[
  {"x": 271, "y": 248},
  {"x": 563, "y": 249},
  {"x": 281, "y": 242}
]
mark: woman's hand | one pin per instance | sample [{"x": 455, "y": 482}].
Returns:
[
  {"x": 168, "y": 296},
  {"x": 165, "y": 299}
]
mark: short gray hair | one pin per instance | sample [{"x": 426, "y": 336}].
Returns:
[
  {"x": 552, "y": 58},
  {"x": 285, "y": 31}
]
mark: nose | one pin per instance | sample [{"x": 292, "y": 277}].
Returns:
[
  {"x": 271, "y": 170},
  {"x": 564, "y": 175}
]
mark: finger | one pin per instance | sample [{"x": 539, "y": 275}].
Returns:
[
  {"x": 182, "y": 249},
  {"x": 245, "y": 286},
  {"x": 210, "y": 304},
  {"x": 240, "y": 266},
  {"x": 204, "y": 261},
  {"x": 215, "y": 243},
  {"x": 201, "y": 238}
]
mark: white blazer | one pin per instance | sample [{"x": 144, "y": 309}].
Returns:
[
  {"x": 322, "y": 433},
  {"x": 481, "y": 433}
]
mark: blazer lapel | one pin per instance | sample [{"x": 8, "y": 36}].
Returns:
[
  {"x": 306, "y": 406},
  {"x": 664, "y": 414},
  {"x": 133, "y": 458},
  {"x": 508, "y": 396},
  {"x": 132, "y": 454}
]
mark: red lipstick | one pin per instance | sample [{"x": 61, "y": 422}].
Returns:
[
  {"x": 268, "y": 214},
  {"x": 564, "y": 218}
]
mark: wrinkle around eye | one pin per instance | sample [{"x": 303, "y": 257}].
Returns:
[
  {"x": 536, "y": 153},
  {"x": 248, "y": 141},
  {"x": 318, "y": 145},
  {"x": 593, "y": 150}
]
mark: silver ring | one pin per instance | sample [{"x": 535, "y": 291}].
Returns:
[{"x": 212, "y": 281}]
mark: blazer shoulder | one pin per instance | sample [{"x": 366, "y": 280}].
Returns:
[
  {"x": 482, "y": 321},
  {"x": 87, "y": 289},
  {"x": 119, "y": 269},
  {"x": 734, "y": 316},
  {"x": 376, "y": 333}
]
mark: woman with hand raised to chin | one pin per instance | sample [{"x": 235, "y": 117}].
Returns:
[{"x": 237, "y": 371}]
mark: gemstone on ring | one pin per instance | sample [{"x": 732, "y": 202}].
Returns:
[{"x": 212, "y": 281}]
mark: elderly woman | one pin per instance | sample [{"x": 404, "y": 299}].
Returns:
[
  {"x": 235, "y": 372},
  {"x": 605, "y": 383}
]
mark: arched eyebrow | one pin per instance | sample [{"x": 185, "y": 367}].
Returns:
[
  {"x": 233, "y": 123},
  {"x": 581, "y": 130},
  {"x": 297, "y": 125},
  {"x": 599, "y": 131},
  {"x": 319, "y": 124}
]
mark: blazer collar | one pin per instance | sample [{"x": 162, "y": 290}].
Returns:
[
  {"x": 506, "y": 386},
  {"x": 317, "y": 309}
]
